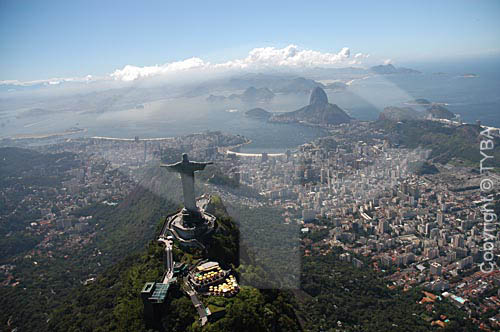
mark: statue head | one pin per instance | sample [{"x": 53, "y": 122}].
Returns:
[{"x": 185, "y": 157}]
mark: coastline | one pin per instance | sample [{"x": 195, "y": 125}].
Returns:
[
  {"x": 42, "y": 136},
  {"x": 131, "y": 139}
]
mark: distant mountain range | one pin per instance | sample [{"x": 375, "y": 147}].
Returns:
[
  {"x": 319, "y": 111},
  {"x": 390, "y": 69},
  {"x": 264, "y": 88},
  {"x": 250, "y": 95},
  {"x": 292, "y": 84},
  {"x": 283, "y": 83},
  {"x": 298, "y": 85}
]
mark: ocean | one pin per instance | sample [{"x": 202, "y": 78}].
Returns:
[{"x": 474, "y": 97}]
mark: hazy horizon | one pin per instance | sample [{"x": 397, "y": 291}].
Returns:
[{"x": 71, "y": 40}]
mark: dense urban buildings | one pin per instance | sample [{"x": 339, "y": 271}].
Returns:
[{"x": 360, "y": 191}]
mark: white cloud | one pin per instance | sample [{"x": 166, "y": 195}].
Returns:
[
  {"x": 387, "y": 61},
  {"x": 259, "y": 58},
  {"x": 50, "y": 81},
  {"x": 130, "y": 73},
  {"x": 361, "y": 56},
  {"x": 290, "y": 56}
]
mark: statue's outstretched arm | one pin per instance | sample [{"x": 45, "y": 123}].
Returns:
[
  {"x": 171, "y": 165},
  {"x": 201, "y": 165}
]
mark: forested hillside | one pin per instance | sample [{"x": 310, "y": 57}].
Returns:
[
  {"x": 113, "y": 301},
  {"x": 46, "y": 277},
  {"x": 459, "y": 144},
  {"x": 336, "y": 294}
]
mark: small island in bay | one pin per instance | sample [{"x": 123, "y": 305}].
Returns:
[
  {"x": 258, "y": 113},
  {"x": 419, "y": 101}
]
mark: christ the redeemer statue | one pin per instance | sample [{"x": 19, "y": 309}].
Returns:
[{"x": 187, "y": 169}]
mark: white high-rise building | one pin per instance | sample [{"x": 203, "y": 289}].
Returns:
[{"x": 436, "y": 269}]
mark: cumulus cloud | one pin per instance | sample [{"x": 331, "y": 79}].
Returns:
[
  {"x": 130, "y": 73},
  {"x": 290, "y": 56},
  {"x": 361, "y": 56},
  {"x": 261, "y": 58},
  {"x": 50, "y": 81},
  {"x": 387, "y": 61}
]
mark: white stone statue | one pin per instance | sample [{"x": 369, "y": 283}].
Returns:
[{"x": 187, "y": 169}]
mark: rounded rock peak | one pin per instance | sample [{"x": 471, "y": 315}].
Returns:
[{"x": 318, "y": 96}]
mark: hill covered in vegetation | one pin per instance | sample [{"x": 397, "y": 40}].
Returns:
[
  {"x": 258, "y": 113},
  {"x": 434, "y": 111},
  {"x": 45, "y": 276},
  {"x": 336, "y": 296},
  {"x": 113, "y": 300},
  {"x": 459, "y": 144}
]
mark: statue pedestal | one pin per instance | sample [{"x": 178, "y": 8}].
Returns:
[
  {"x": 191, "y": 218},
  {"x": 190, "y": 229}
]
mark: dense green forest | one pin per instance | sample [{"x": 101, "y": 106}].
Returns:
[
  {"x": 117, "y": 231},
  {"x": 274, "y": 246},
  {"x": 123, "y": 229},
  {"x": 113, "y": 302},
  {"x": 336, "y": 296},
  {"x": 446, "y": 143}
]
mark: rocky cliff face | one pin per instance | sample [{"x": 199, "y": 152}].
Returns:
[
  {"x": 319, "y": 111},
  {"x": 318, "y": 96}
]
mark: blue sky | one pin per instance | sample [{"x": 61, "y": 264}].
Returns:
[{"x": 44, "y": 39}]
